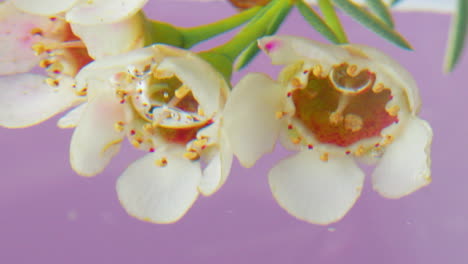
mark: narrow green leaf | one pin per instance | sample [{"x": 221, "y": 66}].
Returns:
[
  {"x": 458, "y": 31},
  {"x": 381, "y": 10},
  {"x": 252, "y": 50},
  {"x": 317, "y": 22},
  {"x": 332, "y": 19},
  {"x": 394, "y": 2},
  {"x": 367, "y": 19}
]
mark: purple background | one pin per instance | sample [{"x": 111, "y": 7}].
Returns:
[{"x": 51, "y": 215}]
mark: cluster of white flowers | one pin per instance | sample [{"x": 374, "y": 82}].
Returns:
[{"x": 332, "y": 104}]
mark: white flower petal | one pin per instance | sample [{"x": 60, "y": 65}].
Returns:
[
  {"x": 405, "y": 165},
  {"x": 96, "y": 140},
  {"x": 44, "y": 7},
  {"x": 71, "y": 119},
  {"x": 103, "y": 11},
  {"x": 159, "y": 194},
  {"x": 189, "y": 69},
  {"x": 16, "y": 54},
  {"x": 396, "y": 76},
  {"x": 250, "y": 117},
  {"x": 316, "y": 191},
  {"x": 26, "y": 100},
  {"x": 111, "y": 39},
  {"x": 290, "y": 49},
  {"x": 217, "y": 170}
]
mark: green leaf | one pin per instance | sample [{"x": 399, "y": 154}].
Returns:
[
  {"x": 458, "y": 30},
  {"x": 252, "y": 50},
  {"x": 381, "y": 10},
  {"x": 317, "y": 22},
  {"x": 332, "y": 20},
  {"x": 394, "y": 2},
  {"x": 367, "y": 19}
]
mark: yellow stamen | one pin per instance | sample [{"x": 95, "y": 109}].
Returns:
[
  {"x": 182, "y": 92},
  {"x": 393, "y": 111},
  {"x": 279, "y": 115},
  {"x": 191, "y": 155},
  {"x": 351, "y": 71},
  {"x": 353, "y": 122},
  {"x": 296, "y": 140},
  {"x": 317, "y": 70},
  {"x": 378, "y": 88},
  {"x": 296, "y": 83},
  {"x": 119, "y": 126},
  {"x": 161, "y": 162},
  {"x": 52, "y": 82},
  {"x": 324, "y": 157}
]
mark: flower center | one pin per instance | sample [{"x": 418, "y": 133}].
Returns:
[
  {"x": 344, "y": 107},
  {"x": 63, "y": 52},
  {"x": 169, "y": 108}
]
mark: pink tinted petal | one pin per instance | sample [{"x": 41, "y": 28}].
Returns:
[
  {"x": 26, "y": 100},
  {"x": 96, "y": 140}
]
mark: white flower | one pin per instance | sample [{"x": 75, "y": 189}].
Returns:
[
  {"x": 167, "y": 102},
  {"x": 332, "y": 104},
  {"x": 85, "y": 12},
  {"x": 49, "y": 42}
]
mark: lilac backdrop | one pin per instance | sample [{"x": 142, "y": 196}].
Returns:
[{"x": 51, "y": 215}]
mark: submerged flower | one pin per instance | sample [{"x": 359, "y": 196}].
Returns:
[
  {"x": 49, "y": 42},
  {"x": 85, "y": 12},
  {"x": 333, "y": 104},
  {"x": 167, "y": 102}
]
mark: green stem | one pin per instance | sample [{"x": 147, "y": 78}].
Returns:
[
  {"x": 332, "y": 20},
  {"x": 161, "y": 32},
  {"x": 198, "y": 34},
  {"x": 257, "y": 27}
]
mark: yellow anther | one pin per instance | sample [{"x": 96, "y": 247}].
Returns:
[
  {"x": 161, "y": 162},
  {"x": 55, "y": 68},
  {"x": 119, "y": 126},
  {"x": 136, "y": 143},
  {"x": 317, "y": 70},
  {"x": 387, "y": 140},
  {"x": 191, "y": 155},
  {"x": 296, "y": 83},
  {"x": 378, "y": 88},
  {"x": 296, "y": 140},
  {"x": 336, "y": 118},
  {"x": 38, "y": 48},
  {"x": 393, "y": 111},
  {"x": 351, "y": 71},
  {"x": 353, "y": 122},
  {"x": 52, "y": 82},
  {"x": 200, "y": 143},
  {"x": 200, "y": 111},
  {"x": 82, "y": 92},
  {"x": 36, "y": 31},
  {"x": 279, "y": 114},
  {"x": 324, "y": 157},
  {"x": 182, "y": 92},
  {"x": 45, "y": 63},
  {"x": 360, "y": 151}
]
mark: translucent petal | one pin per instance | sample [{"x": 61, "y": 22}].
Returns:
[
  {"x": 103, "y": 11},
  {"x": 206, "y": 90},
  {"x": 111, "y": 39},
  {"x": 44, "y": 7},
  {"x": 250, "y": 117},
  {"x": 405, "y": 165},
  {"x": 26, "y": 99},
  {"x": 71, "y": 119},
  {"x": 290, "y": 49},
  {"x": 159, "y": 194},
  {"x": 217, "y": 170},
  {"x": 96, "y": 140},
  {"x": 316, "y": 191}
]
